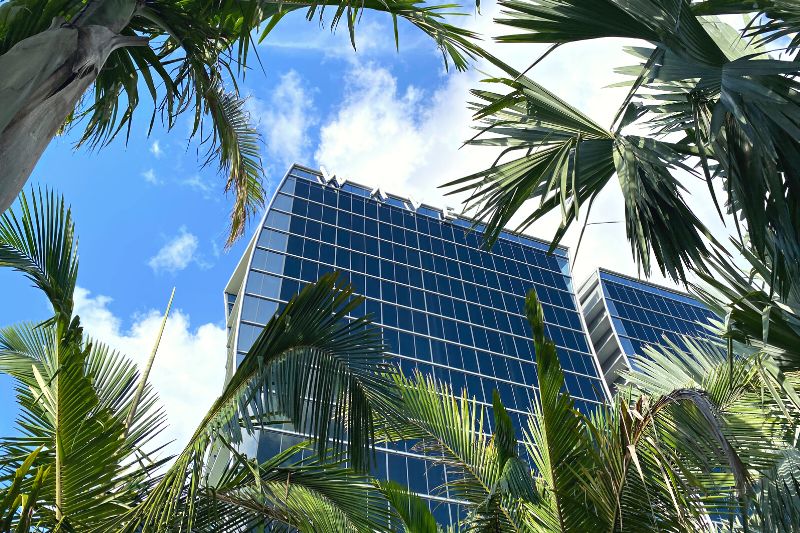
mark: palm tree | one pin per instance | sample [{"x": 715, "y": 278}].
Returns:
[
  {"x": 86, "y": 459},
  {"x": 714, "y": 104},
  {"x": 758, "y": 321},
  {"x": 688, "y": 446},
  {"x": 73, "y": 63}
]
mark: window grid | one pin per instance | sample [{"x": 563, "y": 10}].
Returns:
[
  {"x": 446, "y": 306},
  {"x": 643, "y": 314}
]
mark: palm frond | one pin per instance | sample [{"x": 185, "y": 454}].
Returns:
[
  {"x": 236, "y": 145},
  {"x": 772, "y": 19},
  {"x": 41, "y": 244},
  {"x": 755, "y": 313},
  {"x": 311, "y": 366},
  {"x": 484, "y": 472},
  {"x": 413, "y": 511},
  {"x": 561, "y": 159},
  {"x": 736, "y": 108},
  {"x": 287, "y": 493},
  {"x": 555, "y": 440},
  {"x": 18, "y": 506},
  {"x": 193, "y": 46},
  {"x": 73, "y": 394},
  {"x": 778, "y": 495}
]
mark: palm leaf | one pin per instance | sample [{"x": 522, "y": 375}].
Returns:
[
  {"x": 309, "y": 366},
  {"x": 736, "y": 109},
  {"x": 412, "y": 510},
  {"x": 285, "y": 493},
  {"x": 485, "y": 473},
  {"x": 554, "y": 439},
  {"x": 41, "y": 245},
  {"x": 193, "y": 46}
]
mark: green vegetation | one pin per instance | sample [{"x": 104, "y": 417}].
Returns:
[
  {"x": 78, "y": 466},
  {"x": 702, "y": 437},
  {"x": 80, "y": 64},
  {"x": 714, "y": 105}
]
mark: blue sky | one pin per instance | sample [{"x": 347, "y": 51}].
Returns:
[{"x": 150, "y": 217}]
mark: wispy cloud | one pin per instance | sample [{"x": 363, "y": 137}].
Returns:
[
  {"x": 370, "y": 37},
  {"x": 177, "y": 254},
  {"x": 150, "y": 177},
  {"x": 155, "y": 148},
  {"x": 285, "y": 120},
  {"x": 199, "y": 184}
]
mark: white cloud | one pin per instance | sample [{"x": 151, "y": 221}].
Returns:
[
  {"x": 149, "y": 176},
  {"x": 155, "y": 148},
  {"x": 376, "y": 136},
  {"x": 199, "y": 184},
  {"x": 285, "y": 120},
  {"x": 176, "y": 254},
  {"x": 384, "y": 134},
  {"x": 189, "y": 369}
]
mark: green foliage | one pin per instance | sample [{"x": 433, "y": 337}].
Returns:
[
  {"x": 197, "y": 49},
  {"x": 17, "y": 507},
  {"x": 691, "y": 444},
  {"x": 413, "y": 511},
  {"x": 733, "y": 111},
  {"x": 81, "y": 462},
  {"x": 325, "y": 376}
]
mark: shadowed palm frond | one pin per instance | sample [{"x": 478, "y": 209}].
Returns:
[
  {"x": 773, "y": 20},
  {"x": 310, "y": 366},
  {"x": 755, "y": 313},
  {"x": 561, "y": 159},
  {"x": 736, "y": 109},
  {"x": 288, "y": 493}
]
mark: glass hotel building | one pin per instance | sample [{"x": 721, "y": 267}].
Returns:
[
  {"x": 624, "y": 314},
  {"x": 446, "y": 307}
]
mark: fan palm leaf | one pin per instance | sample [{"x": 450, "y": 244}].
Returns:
[
  {"x": 737, "y": 109},
  {"x": 773, "y": 20}
]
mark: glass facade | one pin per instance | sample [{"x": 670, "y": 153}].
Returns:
[
  {"x": 446, "y": 307},
  {"x": 637, "y": 314}
]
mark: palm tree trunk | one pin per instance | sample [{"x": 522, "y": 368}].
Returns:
[{"x": 43, "y": 77}]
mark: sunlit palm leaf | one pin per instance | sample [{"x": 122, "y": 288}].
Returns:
[
  {"x": 310, "y": 366},
  {"x": 73, "y": 394},
  {"x": 484, "y": 472},
  {"x": 555, "y": 440},
  {"x": 19, "y": 498},
  {"x": 40, "y": 244}
]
